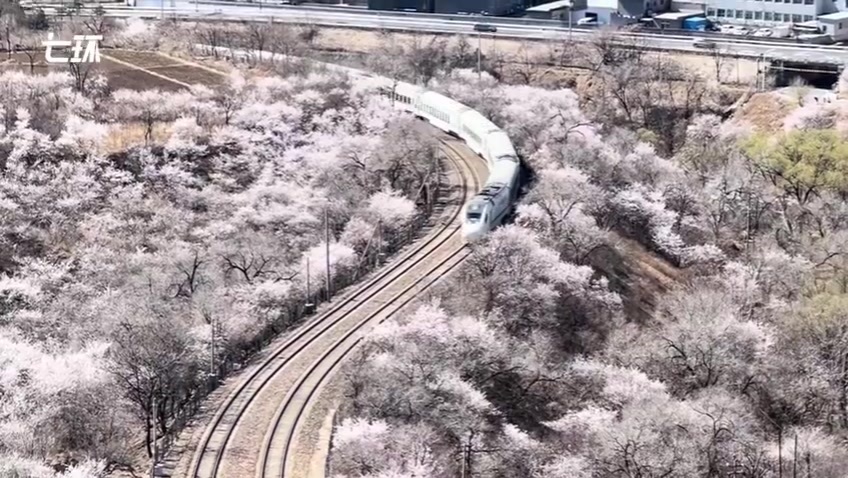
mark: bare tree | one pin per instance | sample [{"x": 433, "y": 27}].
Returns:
[
  {"x": 530, "y": 66},
  {"x": 256, "y": 39},
  {"x": 309, "y": 34},
  {"x": 28, "y": 42},
  {"x": 10, "y": 18},
  {"x": 283, "y": 40},
  {"x": 151, "y": 360},
  {"x": 98, "y": 23},
  {"x": 426, "y": 57},
  {"x": 719, "y": 57},
  {"x": 610, "y": 50}
]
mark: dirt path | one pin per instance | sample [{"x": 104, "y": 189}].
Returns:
[{"x": 637, "y": 274}]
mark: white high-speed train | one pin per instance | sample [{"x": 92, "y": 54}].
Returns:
[{"x": 488, "y": 208}]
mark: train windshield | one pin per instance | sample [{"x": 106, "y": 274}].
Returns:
[{"x": 473, "y": 216}]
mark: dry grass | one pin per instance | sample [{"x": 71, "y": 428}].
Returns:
[
  {"x": 360, "y": 41},
  {"x": 766, "y": 111},
  {"x": 638, "y": 275},
  {"x": 128, "y": 135}
]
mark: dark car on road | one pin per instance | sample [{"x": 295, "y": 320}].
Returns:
[{"x": 485, "y": 27}]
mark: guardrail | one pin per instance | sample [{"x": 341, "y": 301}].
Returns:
[{"x": 718, "y": 35}]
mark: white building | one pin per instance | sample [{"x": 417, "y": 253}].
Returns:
[
  {"x": 835, "y": 25},
  {"x": 763, "y": 12},
  {"x": 558, "y": 10},
  {"x": 617, "y": 12}
]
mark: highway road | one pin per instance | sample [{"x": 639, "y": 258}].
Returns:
[{"x": 458, "y": 24}]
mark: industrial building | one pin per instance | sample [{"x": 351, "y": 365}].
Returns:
[
  {"x": 835, "y": 25},
  {"x": 808, "y": 17},
  {"x": 484, "y": 7},
  {"x": 619, "y": 12},
  {"x": 409, "y": 5},
  {"x": 604, "y": 12},
  {"x": 558, "y": 10},
  {"x": 763, "y": 12}
]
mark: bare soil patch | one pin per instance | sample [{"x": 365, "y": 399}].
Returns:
[
  {"x": 765, "y": 111},
  {"x": 193, "y": 75},
  {"x": 638, "y": 275},
  {"x": 124, "y": 76},
  {"x": 119, "y": 76}
]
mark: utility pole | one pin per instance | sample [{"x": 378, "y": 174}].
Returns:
[
  {"x": 748, "y": 225},
  {"x": 659, "y": 64},
  {"x": 780, "y": 452},
  {"x": 155, "y": 441},
  {"x": 466, "y": 457},
  {"x": 212, "y": 361},
  {"x": 462, "y": 472},
  {"x": 308, "y": 294},
  {"x": 327, "y": 250},
  {"x": 466, "y": 460},
  {"x": 479, "y": 52},
  {"x": 379, "y": 240},
  {"x": 795, "y": 459},
  {"x": 737, "y": 69}
]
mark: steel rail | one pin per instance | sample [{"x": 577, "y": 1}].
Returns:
[
  {"x": 265, "y": 372},
  {"x": 289, "y": 435},
  {"x": 269, "y": 469}
]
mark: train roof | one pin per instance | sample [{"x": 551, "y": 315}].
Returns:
[
  {"x": 476, "y": 205},
  {"x": 443, "y": 103},
  {"x": 409, "y": 89},
  {"x": 478, "y": 123},
  {"x": 491, "y": 189},
  {"x": 503, "y": 172},
  {"x": 500, "y": 143}
]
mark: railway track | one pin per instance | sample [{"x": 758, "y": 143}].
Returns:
[{"x": 274, "y": 398}]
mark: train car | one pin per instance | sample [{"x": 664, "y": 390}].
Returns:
[
  {"x": 498, "y": 147},
  {"x": 488, "y": 208},
  {"x": 474, "y": 128},
  {"x": 441, "y": 111},
  {"x": 404, "y": 96}
]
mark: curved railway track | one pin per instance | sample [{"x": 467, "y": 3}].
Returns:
[{"x": 286, "y": 382}]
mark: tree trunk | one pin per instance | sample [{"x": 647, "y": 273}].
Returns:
[{"x": 147, "y": 436}]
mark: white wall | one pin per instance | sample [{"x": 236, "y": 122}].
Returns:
[
  {"x": 836, "y": 29},
  {"x": 757, "y": 12}
]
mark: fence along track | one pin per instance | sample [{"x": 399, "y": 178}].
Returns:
[
  {"x": 210, "y": 451},
  {"x": 280, "y": 440}
]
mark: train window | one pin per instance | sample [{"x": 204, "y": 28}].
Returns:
[
  {"x": 473, "y": 216},
  {"x": 470, "y": 133}
]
